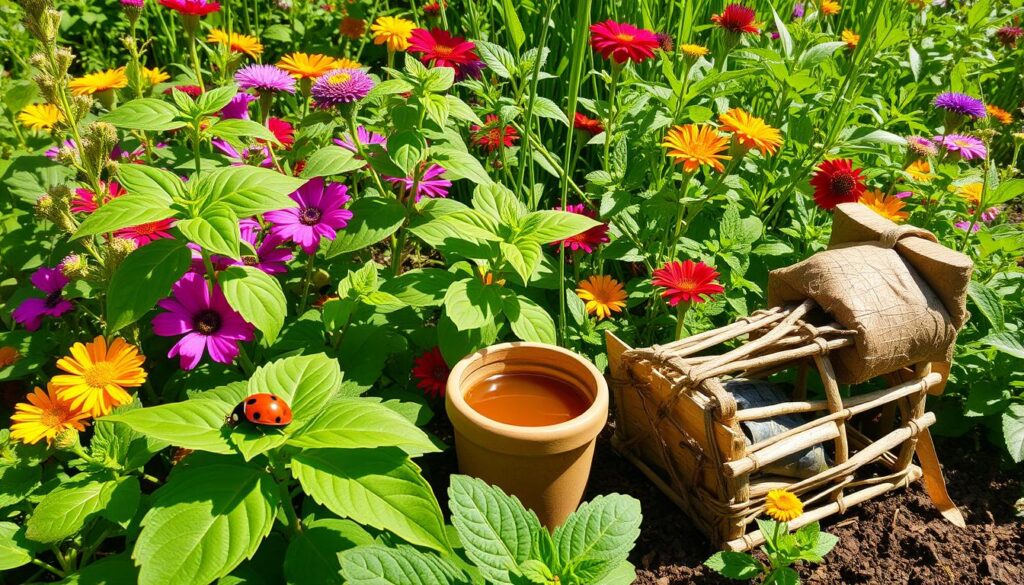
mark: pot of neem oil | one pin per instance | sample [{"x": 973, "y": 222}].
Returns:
[{"x": 526, "y": 417}]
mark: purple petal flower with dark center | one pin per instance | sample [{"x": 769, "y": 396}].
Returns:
[
  {"x": 265, "y": 78},
  {"x": 430, "y": 185},
  {"x": 246, "y": 156},
  {"x": 51, "y": 282},
  {"x": 238, "y": 107},
  {"x": 270, "y": 257},
  {"x": 341, "y": 86},
  {"x": 318, "y": 215}
]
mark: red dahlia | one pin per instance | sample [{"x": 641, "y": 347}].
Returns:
[
  {"x": 441, "y": 49},
  {"x": 588, "y": 125},
  {"x": 622, "y": 41},
  {"x": 432, "y": 372},
  {"x": 492, "y": 135},
  {"x": 737, "y": 18},
  {"x": 835, "y": 182},
  {"x": 688, "y": 281}
]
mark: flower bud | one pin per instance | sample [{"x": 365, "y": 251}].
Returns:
[
  {"x": 64, "y": 57},
  {"x": 98, "y": 139},
  {"x": 74, "y": 266},
  {"x": 118, "y": 249},
  {"x": 44, "y": 207},
  {"x": 67, "y": 440}
]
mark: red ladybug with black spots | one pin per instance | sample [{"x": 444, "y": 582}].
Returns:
[{"x": 262, "y": 409}]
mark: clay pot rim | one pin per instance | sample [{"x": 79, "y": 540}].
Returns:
[{"x": 585, "y": 426}]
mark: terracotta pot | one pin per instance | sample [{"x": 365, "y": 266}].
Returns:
[{"x": 546, "y": 467}]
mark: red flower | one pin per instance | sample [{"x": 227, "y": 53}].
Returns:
[
  {"x": 687, "y": 281},
  {"x": 147, "y": 232},
  {"x": 192, "y": 91},
  {"x": 492, "y": 135},
  {"x": 737, "y": 18},
  {"x": 588, "y": 125},
  {"x": 622, "y": 41},
  {"x": 432, "y": 372},
  {"x": 1008, "y": 35},
  {"x": 835, "y": 182},
  {"x": 433, "y": 9},
  {"x": 440, "y": 49},
  {"x": 587, "y": 240},
  {"x": 192, "y": 7},
  {"x": 283, "y": 131},
  {"x": 84, "y": 200}
]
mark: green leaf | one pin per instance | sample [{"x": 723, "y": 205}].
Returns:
[
  {"x": 623, "y": 573},
  {"x": 459, "y": 164},
  {"x": 306, "y": 383},
  {"x": 376, "y": 487},
  {"x": 215, "y": 231},
  {"x": 215, "y": 100},
  {"x": 152, "y": 182},
  {"x": 113, "y": 570},
  {"x": 247, "y": 190},
  {"x": 530, "y": 321},
  {"x": 257, "y": 296},
  {"x": 603, "y": 529},
  {"x": 818, "y": 53},
  {"x": 144, "y": 278},
  {"x": 373, "y": 219},
  {"x": 499, "y": 61},
  {"x": 209, "y": 517},
  {"x": 824, "y": 544},
  {"x": 545, "y": 108},
  {"x": 511, "y": 20},
  {"x": 1013, "y": 431},
  {"x": 149, "y": 114},
  {"x": 1006, "y": 342},
  {"x": 234, "y": 129},
  {"x": 785, "y": 39},
  {"x": 495, "y": 529},
  {"x": 914, "y": 60},
  {"x": 193, "y": 424},
  {"x": 12, "y": 554},
  {"x": 470, "y": 303},
  {"x": 358, "y": 423},
  {"x": 544, "y": 227},
  {"x": 456, "y": 344},
  {"x": 65, "y": 510},
  {"x": 989, "y": 303},
  {"x": 381, "y": 565},
  {"x": 421, "y": 287},
  {"x": 125, "y": 211},
  {"x": 331, "y": 160},
  {"x": 782, "y": 576},
  {"x": 1006, "y": 191},
  {"x": 734, "y": 565},
  {"x": 312, "y": 555}
]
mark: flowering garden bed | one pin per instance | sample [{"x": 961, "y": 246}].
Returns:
[{"x": 243, "y": 244}]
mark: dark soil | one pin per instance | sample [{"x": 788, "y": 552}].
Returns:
[{"x": 897, "y": 539}]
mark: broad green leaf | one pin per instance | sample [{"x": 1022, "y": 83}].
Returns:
[
  {"x": 257, "y": 296},
  {"x": 421, "y": 287},
  {"x": 1013, "y": 431},
  {"x": 1006, "y": 342},
  {"x": 359, "y": 423},
  {"x": 499, "y": 61},
  {"x": 376, "y": 487},
  {"x": 820, "y": 52},
  {"x": 530, "y": 321},
  {"x": 248, "y": 190},
  {"x": 209, "y": 517},
  {"x": 331, "y": 160},
  {"x": 515, "y": 259},
  {"x": 312, "y": 555},
  {"x": 495, "y": 529},
  {"x": 785, "y": 39},
  {"x": 456, "y": 344},
  {"x": 125, "y": 211},
  {"x": 914, "y": 59},
  {"x": 782, "y": 576},
  {"x": 20, "y": 94},
  {"x": 603, "y": 529},
  {"x": 511, "y": 20},
  {"x": 381, "y": 565},
  {"x": 193, "y": 424},
  {"x": 989, "y": 303},
  {"x": 215, "y": 231},
  {"x": 623, "y": 573},
  {"x": 144, "y": 278},
  {"x": 148, "y": 114},
  {"x": 734, "y": 565},
  {"x": 152, "y": 182},
  {"x": 545, "y": 108},
  {"x": 459, "y": 164},
  {"x": 217, "y": 99},
  {"x": 12, "y": 554},
  {"x": 121, "y": 443},
  {"x": 1006, "y": 191},
  {"x": 373, "y": 219},
  {"x": 234, "y": 129},
  {"x": 544, "y": 227},
  {"x": 499, "y": 203},
  {"x": 306, "y": 383},
  {"x": 470, "y": 303},
  {"x": 65, "y": 510},
  {"x": 113, "y": 570}
]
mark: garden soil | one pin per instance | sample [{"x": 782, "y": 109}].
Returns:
[{"x": 899, "y": 538}]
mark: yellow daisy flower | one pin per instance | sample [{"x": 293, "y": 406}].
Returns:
[
  {"x": 783, "y": 505},
  {"x": 155, "y": 75},
  {"x": 345, "y": 63},
  {"x": 694, "y": 50},
  {"x": 829, "y": 7},
  {"x": 850, "y": 38},
  {"x": 40, "y": 116},
  {"x": 920, "y": 170},
  {"x": 97, "y": 375},
  {"x": 750, "y": 131},
  {"x": 887, "y": 206},
  {"x": 1002, "y": 116},
  {"x": 603, "y": 295},
  {"x": 395, "y": 32},
  {"x": 693, "y": 145},
  {"x": 304, "y": 66},
  {"x": 45, "y": 416},
  {"x": 9, "y": 356},
  {"x": 99, "y": 81},
  {"x": 247, "y": 44},
  {"x": 971, "y": 192}
]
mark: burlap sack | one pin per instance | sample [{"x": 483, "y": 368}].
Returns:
[{"x": 903, "y": 293}]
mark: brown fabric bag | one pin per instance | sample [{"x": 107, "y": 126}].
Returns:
[{"x": 903, "y": 293}]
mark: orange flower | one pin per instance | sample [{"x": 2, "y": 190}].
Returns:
[
  {"x": 238, "y": 43},
  {"x": 750, "y": 131},
  {"x": 830, "y": 7},
  {"x": 351, "y": 27},
  {"x": 850, "y": 38},
  {"x": 1002, "y": 116},
  {"x": 45, "y": 416},
  {"x": 603, "y": 295},
  {"x": 305, "y": 66},
  {"x": 887, "y": 206},
  {"x": 99, "y": 81},
  {"x": 693, "y": 145},
  {"x": 8, "y": 356}
]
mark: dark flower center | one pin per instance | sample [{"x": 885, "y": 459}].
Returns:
[
  {"x": 208, "y": 322},
  {"x": 250, "y": 260},
  {"x": 53, "y": 298},
  {"x": 440, "y": 373},
  {"x": 310, "y": 215},
  {"x": 842, "y": 184}
]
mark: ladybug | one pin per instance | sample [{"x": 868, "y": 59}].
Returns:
[{"x": 262, "y": 409}]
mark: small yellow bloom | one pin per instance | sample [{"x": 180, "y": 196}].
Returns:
[
  {"x": 99, "y": 81},
  {"x": 394, "y": 32},
  {"x": 694, "y": 50},
  {"x": 830, "y": 7},
  {"x": 247, "y": 44},
  {"x": 97, "y": 375},
  {"x": 155, "y": 75},
  {"x": 304, "y": 66},
  {"x": 1002, "y": 116},
  {"x": 850, "y": 38},
  {"x": 887, "y": 206},
  {"x": 971, "y": 192},
  {"x": 603, "y": 295},
  {"x": 750, "y": 131},
  {"x": 693, "y": 145},
  {"x": 346, "y": 63},
  {"x": 9, "y": 356},
  {"x": 40, "y": 116},
  {"x": 783, "y": 505},
  {"x": 920, "y": 170},
  {"x": 45, "y": 416}
]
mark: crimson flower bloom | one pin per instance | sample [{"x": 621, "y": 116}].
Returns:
[
  {"x": 283, "y": 131},
  {"x": 440, "y": 49},
  {"x": 835, "y": 182},
  {"x": 145, "y": 233},
  {"x": 737, "y": 18},
  {"x": 621, "y": 41},
  {"x": 589, "y": 125},
  {"x": 193, "y": 91},
  {"x": 431, "y": 371},
  {"x": 192, "y": 7},
  {"x": 492, "y": 135},
  {"x": 84, "y": 200},
  {"x": 688, "y": 281},
  {"x": 587, "y": 240}
]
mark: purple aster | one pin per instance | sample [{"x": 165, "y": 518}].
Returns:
[
  {"x": 258, "y": 154},
  {"x": 470, "y": 70},
  {"x": 430, "y": 185},
  {"x": 269, "y": 256},
  {"x": 54, "y": 151},
  {"x": 967, "y": 147},
  {"x": 238, "y": 107},
  {"x": 207, "y": 322},
  {"x": 265, "y": 78},
  {"x": 51, "y": 282},
  {"x": 987, "y": 216},
  {"x": 319, "y": 214},
  {"x": 961, "y": 104},
  {"x": 365, "y": 137},
  {"x": 798, "y": 10},
  {"x": 341, "y": 86}
]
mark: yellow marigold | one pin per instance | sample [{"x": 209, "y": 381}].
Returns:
[
  {"x": 346, "y": 63},
  {"x": 850, "y": 38},
  {"x": 603, "y": 295},
  {"x": 394, "y": 32},
  {"x": 971, "y": 192},
  {"x": 750, "y": 131},
  {"x": 783, "y": 505},
  {"x": 352, "y": 27},
  {"x": 40, "y": 116},
  {"x": 97, "y": 375},
  {"x": 694, "y": 50},
  {"x": 9, "y": 356},
  {"x": 829, "y": 7},
  {"x": 100, "y": 81},
  {"x": 887, "y": 206},
  {"x": 920, "y": 170},
  {"x": 45, "y": 416},
  {"x": 306, "y": 66},
  {"x": 1002, "y": 116},
  {"x": 155, "y": 75},
  {"x": 693, "y": 145},
  {"x": 247, "y": 44}
]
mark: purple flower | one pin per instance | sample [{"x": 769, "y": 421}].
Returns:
[
  {"x": 265, "y": 78},
  {"x": 967, "y": 147},
  {"x": 341, "y": 86},
  {"x": 961, "y": 104},
  {"x": 51, "y": 282},
  {"x": 238, "y": 107},
  {"x": 269, "y": 256},
  {"x": 54, "y": 151},
  {"x": 133, "y": 3},
  {"x": 365, "y": 137},
  {"x": 319, "y": 214},
  {"x": 430, "y": 185},
  {"x": 247, "y": 155},
  {"x": 208, "y": 323},
  {"x": 903, "y": 194},
  {"x": 471, "y": 70},
  {"x": 798, "y": 10},
  {"x": 987, "y": 216}
]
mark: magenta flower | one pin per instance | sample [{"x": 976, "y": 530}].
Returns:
[
  {"x": 270, "y": 257},
  {"x": 207, "y": 323},
  {"x": 967, "y": 147},
  {"x": 133, "y": 3},
  {"x": 246, "y": 156},
  {"x": 147, "y": 232},
  {"x": 365, "y": 137},
  {"x": 341, "y": 86},
  {"x": 588, "y": 240},
  {"x": 238, "y": 107},
  {"x": 430, "y": 185},
  {"x": 961, "y": 104},
  {"x": 51, "y": 282},
  {"x": 318, "y": 215},
  {"x": 264, "y": 78}
]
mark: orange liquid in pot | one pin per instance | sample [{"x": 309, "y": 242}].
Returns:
[{"x": 526, "y": 400}]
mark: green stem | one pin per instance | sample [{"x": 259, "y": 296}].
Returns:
[
  {"x": 681, "y": 310},
  {"x": 48, "y": 567},
  {"x": 306, "y": 282},
  {"x": 608, "y": 126},
  {"x": 195, "y": 61}
]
